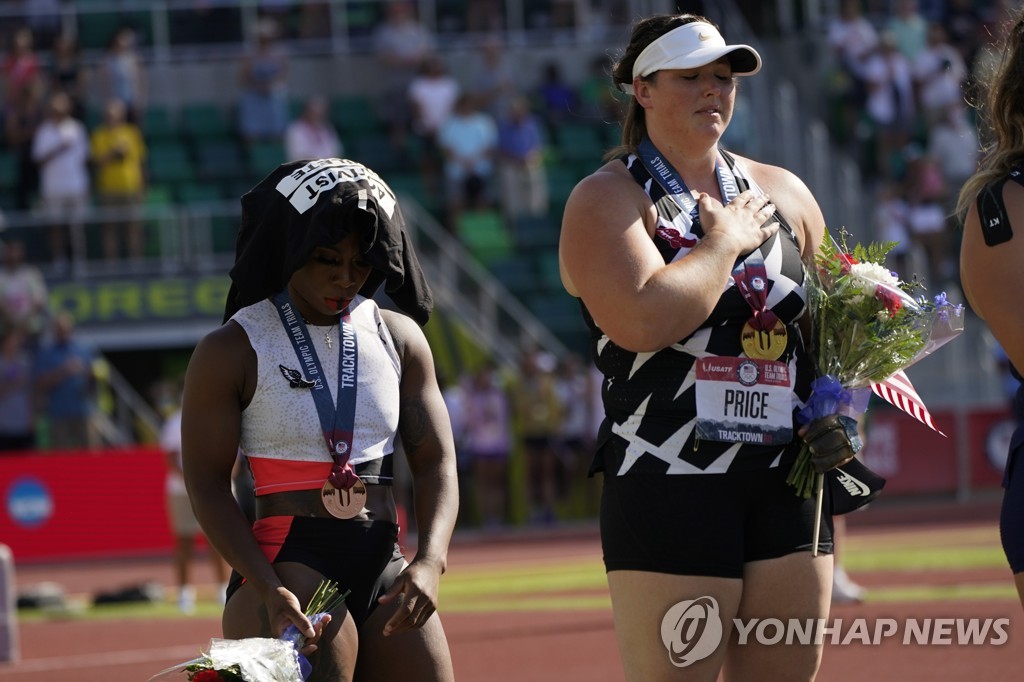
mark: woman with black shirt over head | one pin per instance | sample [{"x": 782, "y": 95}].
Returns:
[{"x": 314, "y": 382}]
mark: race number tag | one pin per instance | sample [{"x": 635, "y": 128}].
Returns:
[{"x": 743, "y": 400}]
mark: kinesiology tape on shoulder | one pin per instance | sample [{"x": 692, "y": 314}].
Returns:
[{"x": 995, "y": 223}]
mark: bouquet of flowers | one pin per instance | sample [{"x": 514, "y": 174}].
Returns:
[
  {"x": 260, "y": 659},
  {"x": 868, "y": 325}
]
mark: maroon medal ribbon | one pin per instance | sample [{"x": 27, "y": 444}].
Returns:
[{"x": 752, "y": 282}]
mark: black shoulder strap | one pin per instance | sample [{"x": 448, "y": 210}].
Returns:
[{"x": 995, "y": 223}]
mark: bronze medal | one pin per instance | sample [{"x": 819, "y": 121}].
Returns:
[
  {"x": 764, "y": 345},
  {"x": 344, "y": 504}
]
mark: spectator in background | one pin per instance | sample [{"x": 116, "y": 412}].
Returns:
[
  {"x": 521, "y": 174},
  {"x": 597, "y": 99},
  {"x": 575, "y": 439},
  {"x": 60, "y": 149},
  {"x": 263, "y": 103},
  {"x": 538, "y": 413},
  {"x": 963, "y": 24},
  {"x": 312, "y": 135},
  {"x": 22, "y": 116},
  {"x": 939, "y": 73},
  {"x": 454, "y": 394},
  {"x": 432, "y": 94},
  {"x": 21, "y": 65},
  {"x": 908, "y": 28},
  {"x": 488, "y": 440},
  {"x": 23, "y": 295},
  {"x": 485, "y": 16},
  {"x": 927, "y": 195},
  {"x": 183, "y": 522},
  {"x": 558, "y": 100},
  {"x": 67, "y": 72},
  {"x": 891, "y": 215},
  {"x": 401, "y": 44},
  {"x": 890, "y": 101},
  {"x": 122, "y": 73},
  {"x": 65, "y": 383},
  {"x": 119, "y": 158},
  {"x": 314, "y": 21},
  {"x": 493, "y": 82},
  {"x": 17, "y": 416},
  {"x": 852, "y": 40},
  {"x": 953, "y": 144},
  {"x": 43, "y": 17},
  {"x": 468, "y": 140}
]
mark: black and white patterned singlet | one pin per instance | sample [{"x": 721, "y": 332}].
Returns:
[{"x": 650, "y": 398}]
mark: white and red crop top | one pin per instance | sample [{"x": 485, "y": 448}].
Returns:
[{"x": 281, "y": 432}]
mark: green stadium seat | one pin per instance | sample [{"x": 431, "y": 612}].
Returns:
[
  {"x": 484, "y": 234},
  {"x": 355, "y": 115},
  {"x": 159, "y": 195},
  {"x": 264, "y": 157},
  {"x": 376, "y": 152},
  {"x": 170, "y": 162},
  {"x": 200, "y": 193},
  {"x": 8, "y": 169},
  {"x": 548, "y": 271},
  {"x": 204, "y": 120},
  {"x": 535, "y": 232},
  {"x": 560, "y": 313},
  {"x": 96, "y": 29},
  {"x": 158, "y": 124},
  {"x": 578, "y": 141},
  {"x": 220, "y": 159},
  {"x": 517, "y": 273},
  {"x": 561, "y": 181}
]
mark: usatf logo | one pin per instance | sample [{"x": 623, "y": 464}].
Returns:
[
  {"x": 691, "y": 630},
  {"x": 29, "y": 503}
]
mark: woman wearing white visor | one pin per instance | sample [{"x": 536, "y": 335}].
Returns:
[{"x": 689, "y": 263}]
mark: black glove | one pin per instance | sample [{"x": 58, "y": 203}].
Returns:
[{"x": 832, "y": 441}]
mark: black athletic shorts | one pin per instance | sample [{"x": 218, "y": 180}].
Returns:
[
  {"x": 1011, "y": 517},
  {"x": 705, "y": 524},
  {"x": 362, "y": 556}
]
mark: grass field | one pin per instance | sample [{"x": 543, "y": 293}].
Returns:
[{"x": 915, "y": 565}]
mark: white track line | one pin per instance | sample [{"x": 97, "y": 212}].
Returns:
[{"x": 99, "y": 660}]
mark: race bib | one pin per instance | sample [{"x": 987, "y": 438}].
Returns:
[{"x": 744, "y": 400}]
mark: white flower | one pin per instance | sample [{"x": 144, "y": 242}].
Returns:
[
  {"x": 261, "y": 659},
  {"x": 867, "y": 276}
]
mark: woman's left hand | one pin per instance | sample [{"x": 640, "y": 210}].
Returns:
[
  {"x": 312, "y": 644},
  {"x": 415, "y": 593}
]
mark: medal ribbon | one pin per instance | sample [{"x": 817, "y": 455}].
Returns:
[
  {"x": 751, "y": 279},
  {"x": 337, "y": 419},
  {"x": 672, "y": 182}
]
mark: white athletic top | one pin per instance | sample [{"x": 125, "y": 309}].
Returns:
[{"x": 281, "y": 432}]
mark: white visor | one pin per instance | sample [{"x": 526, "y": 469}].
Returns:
[{"x": 690, "y": 46}]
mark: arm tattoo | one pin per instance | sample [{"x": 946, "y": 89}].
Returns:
[{"x": 414, "y": 424}]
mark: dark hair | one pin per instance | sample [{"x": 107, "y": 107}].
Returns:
[
  {"x": 1001, "y": 110},
  {"x": 645, "y": 32}
]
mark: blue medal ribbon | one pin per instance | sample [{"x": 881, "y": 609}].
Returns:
[
  {"x": 337, "y": 418},
  {"x": 670, "y": 180}
]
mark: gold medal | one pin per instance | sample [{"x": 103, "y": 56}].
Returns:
[
  {"x": 344, "y": 504},
  {"x": 764, "y": 345}
]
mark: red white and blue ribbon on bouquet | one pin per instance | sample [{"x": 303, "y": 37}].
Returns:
[{"x": 898, "y": 391}]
